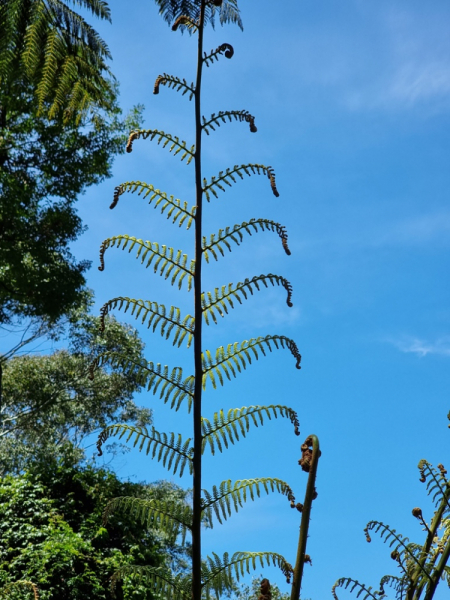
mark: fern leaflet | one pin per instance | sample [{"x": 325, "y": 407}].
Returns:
[
  {"x": 229, "y": 178},
  {"x": 163, "y": 257},
  {"x": 173, "y": 386},
  {"x": 217, "y": 303},
  {"x": 237, "y": 355},
  {"x": 229, "y": 494},
  {"x": 175, "y": 83},
  {"x": 176, "y": 211},
  {"x": 184, "y": 21},
  {"x": 155, "y": 314},
  {"x": 166, "y": 138},
  {"x": 163, "y": 583},
  {"x": 169, "y": 449},
  {"x": 235, "y": 234},
  {"x": 363, "y": 591},
  {"x": 228, "y": 115},
  {"x": 437, "y": 485},
  {"x": 225, "y": 49},
  {"x": 226, "y": 428}
]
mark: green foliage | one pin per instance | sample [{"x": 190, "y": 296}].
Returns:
[
  {"x": 166, "y": 139},
  {"x": 228, "y": 178},
  {"x": 171, "y": 10}
]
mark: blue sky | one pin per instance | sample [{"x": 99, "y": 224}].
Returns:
[{"x": 352, "y": 104}]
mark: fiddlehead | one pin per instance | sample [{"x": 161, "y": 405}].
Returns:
[
  {"x": 223, "y": 116},
  {"x": 228, "y": 178},
  {"x": 226, "y": 49},
  {"x": 175, "y": 83},
  {"x": 166, "y": 139}
]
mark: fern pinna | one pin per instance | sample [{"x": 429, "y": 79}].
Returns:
[
  {"x": 178, "y": 455},
  {"x": 421, "y": 566}
]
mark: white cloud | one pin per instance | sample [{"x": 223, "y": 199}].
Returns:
[{"x": 421, "y": 347}]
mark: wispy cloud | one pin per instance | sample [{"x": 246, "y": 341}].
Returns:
[{"x": 421, "y": 347}]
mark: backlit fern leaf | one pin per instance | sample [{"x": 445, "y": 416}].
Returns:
[
  {"x": 437, "y": 485},
  {"x": 175, "y": 83},
  {"x": 225, "y": 116},
  {"x": 235, "y": 234},
  {"x": 363, "y": 591},
  {"x": 218, "y": 574},
  {"x": 162, "y": 257},
  {"x": 171, "y": 385},
  {"x": 154, "y": 314},
  {"x": 235, "y": 356},
  {"x": 166, "y": 139},
  {"x": 175, "y": 209},
  {"x": 173, "y": 518},
  {"x": 228, "y": 178},
  {"x": 225, "y": 49},
  {"x": 167, "y": 448},
  {"x": 163, "y": 584},
  {"x": 227, "y": 428},
  {"x": 223, "y": 298},
  {"x": 229, "y": 495}
]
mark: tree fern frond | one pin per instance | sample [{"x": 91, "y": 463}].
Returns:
[
  {"x": 155, "y": 314},
  {"x": 223, "y": 298},
  {"x": 226, "y": 428},
  {"x": 238, "y": 354},
  {"x": 185, "y": 21},
  {"x": 402, "y": 551},
  {"x": 173, "y": 518},
  {"x": 229, "y": 178},
  {"x": 399, "y": 584},
  {"x": 225, "y": 116},
  {"x": 174, "y": 83},
  {"x": 229, "y": 495},
  {"x": 235, "y": 234},
  {"x": 172, "y": 387},
  {"x": 163, "y": 583},
  {"x": 218, "y": 574},
  {"x": 173, "y": 9},
  {"x": 363, "y": 591},
  {"x": 164, "y": 258},
  {"x": 437, "y": 485},
  {"x": 225, "y": 49},
  {"x": 174, "y": 142},
  {"x": 170, "y": 449},
  {"x": 176, "y": 210}
]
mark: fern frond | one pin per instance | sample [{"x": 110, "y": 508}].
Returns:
[
  {"x": 171, "y": 385},
  {"x": 229, "y": 178},
  {"x": 163, "y": 583},
  {"x": 399, "y": 584},
  {"x": 402, "y": 551},
  {"x": 229, "y": 495},
  {"x": 228, "y": 115},
  {"x": 226, "y": 49},
  {"x": 223, "y": 298},
  {"x": 169, "y": 449},
  {"x": 174, "y": 83},
  {"x": 155, "y": 314},
  {"x": 185, "y": 21},
  {"x": 218, "y": 574},
  {"x": 173, "y": 518},
  {"x": 165, "y": 259},
  {"x": 363, "y": 591},
  {"x": 437, "y": 485},
  {"x": 226, "y": 428},
  {"x": 172, "y": 9},
  {"x": 166, "y": 139},
  {"x": 175, "y": 210},
  {"x": 235, "y": 234},
  {"x": 238, "y": 354}
]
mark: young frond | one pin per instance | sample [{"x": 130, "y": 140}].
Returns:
[
  {"x": 156, "y": 315},
  {"x": 228, "y": 115},
  {"x": 226, "y": 428},
  {"x": 169, "y": 449},
  {"x": 229, "y": 495},
  {"x": 399, "y": 584},
  {"x": 226, "y": 49},
  {"x": 362, "y": 591},
  {"x": 437, "y": 485},
  {"x": 236, "y": 356},
  {"x": 176, "y": 210},
  {"x": 171, "y": 385},
  {"x": 163, "y": 583},
  {"x": 173, "y": 518},
  {"x": 163, "y": 258},
  {"x": 185, "y": 21},
  {"x": 228, "y": 178},
  {"x": 174, "y": 83},
  {"x": 236, "y": 234},
  {"x": 218, "y": 574},
  {"x": 166, "y": 139},
  {"x": 222, "y": 298}
]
